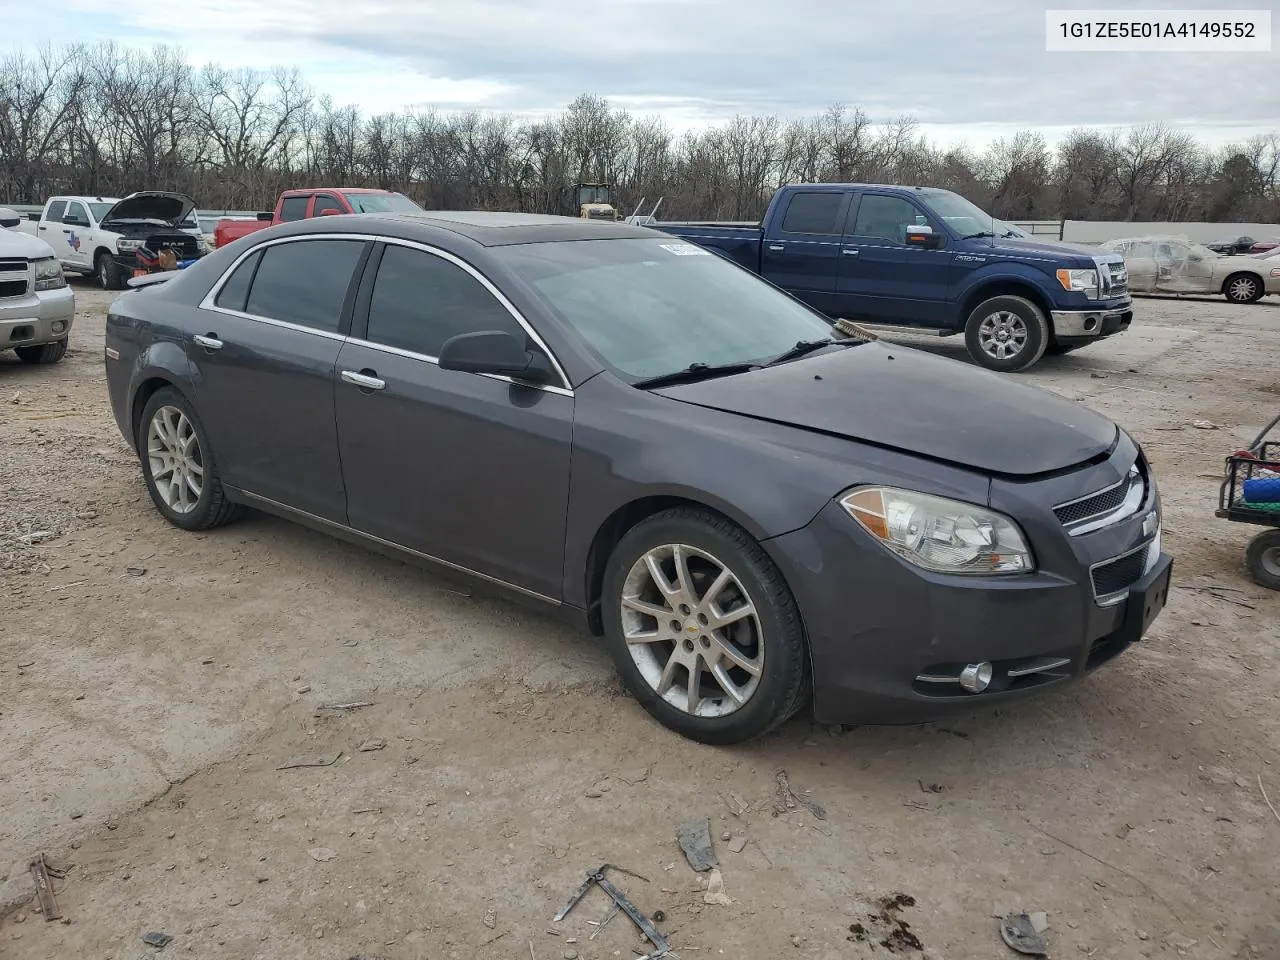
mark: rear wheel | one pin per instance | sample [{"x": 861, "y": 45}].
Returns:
[
  {"x": 1006, "y": 333},
  {"x": 45, "y": 353},
  {"x": 703, "y": 629},
  {"x": 178, "y": 465},
  {"x": 1242, "y": 288},
  {"x": 1263, "y": 559}
]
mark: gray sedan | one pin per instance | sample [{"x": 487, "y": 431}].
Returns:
[{"x": 756, "y": 509}]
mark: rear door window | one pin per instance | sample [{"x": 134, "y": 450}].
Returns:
[
  {"x": 305, "y": 282},
  {"x": 813, "y": 212},
  {"x": 325, "y": 202},
  {"x": 76, "y": 215},
  {"x": 293, "y": 208},
  {"x": 56, "y": 210}
]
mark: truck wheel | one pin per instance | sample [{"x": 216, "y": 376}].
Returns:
[
  {"x": 1263, "y": 559},
  {"x": 1242, "y": 288},
  {"x": 45, "y": 353},
  {"x": 108, "y": 272},
  {"x": 1006, "y": 334}
]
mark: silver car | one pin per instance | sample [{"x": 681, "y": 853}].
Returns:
[
  {"x": 1176, "y": 265},
  {"x": 37, "y": 307}
]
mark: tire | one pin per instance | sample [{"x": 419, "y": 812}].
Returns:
[
  {"x": 1242, "y": 288},
  {"x": 1016, "y": 318},
  {"x": 1263, "y": 559},
  {"x": 45, "y": 353},
  {"x": 771, "y": 639},
  {"x": 210, "y": 506},
  {"x": 108, "y": 272}
]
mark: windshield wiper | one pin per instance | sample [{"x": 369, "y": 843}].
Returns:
[
  {"x": 693, "y": 373},
  {"x": 808, "y": 346},
  {"x": 980, "y": 233}
]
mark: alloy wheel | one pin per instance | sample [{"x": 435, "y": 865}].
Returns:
[
  {"x": 1242, "y": 289},
  {"x": 1002, "y": 335},
  {"x": 692, "y": 630},
  {"x": 174, "y": 458}
]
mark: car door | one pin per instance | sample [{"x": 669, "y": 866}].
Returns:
[
  {"x": 1143, "y": 268},
  {"x": 76, "y": 231},
  {"x": 883, "y": 278},
  {"x": 264, "y": 355},
  {"x": 465, "y": 468},
  {"x": 54, "y": 232},
  {"x": 801, "y": 252}
]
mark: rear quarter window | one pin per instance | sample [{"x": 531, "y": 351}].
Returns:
[
  {"x": 235, "y": 291},
  {"x": 813, "y": 213}
]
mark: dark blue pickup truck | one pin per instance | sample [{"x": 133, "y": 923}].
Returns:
[{"x": 924, "y": 257}]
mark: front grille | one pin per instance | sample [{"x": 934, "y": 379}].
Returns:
[
  {"x": 13, "y": 266},
  {"x": 1115, "y": 279},
  {"x": 13, "y": 288},
  {"x": 1119, "y": 574},
  {"x": 1104, "y": 502}
]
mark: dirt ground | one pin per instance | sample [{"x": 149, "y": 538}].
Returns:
[{"x": 154, "y": 682}]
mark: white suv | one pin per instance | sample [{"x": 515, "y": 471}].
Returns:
[{"x": 37, "y": 307}]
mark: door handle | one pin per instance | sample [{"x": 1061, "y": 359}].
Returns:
[
  {"x": 208, "y": 341},
  {"x": 777, "y": 247},
  {"x": 850, "y": 251},
  {"x": 43, "y": 227},
  {"x": 65, "y": 230},
  {"x": 365, "y": 379}
]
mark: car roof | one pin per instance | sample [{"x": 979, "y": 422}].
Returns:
[{"x": 488, "y": 229}]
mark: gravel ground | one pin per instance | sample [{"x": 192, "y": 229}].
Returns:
[{"x": 153, "y": 682}]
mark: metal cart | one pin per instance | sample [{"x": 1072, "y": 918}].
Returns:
[{"x": 1250, "y": 493}]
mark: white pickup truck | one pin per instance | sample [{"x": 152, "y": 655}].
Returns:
[
  {"x": 100, "y": 236},
  {"x": 37, "y": 307}
]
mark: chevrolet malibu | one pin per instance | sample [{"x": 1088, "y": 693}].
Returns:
[{"x": 756, "y": 509}]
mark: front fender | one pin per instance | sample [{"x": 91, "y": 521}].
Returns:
[{"x": 1002, "y": 275}]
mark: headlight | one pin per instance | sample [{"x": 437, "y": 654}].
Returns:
[
  {"x": 49, "y": 275},
  {"x": 1085, "y": 281},
  {"x": 945, "y": 536},
  {"x": 126, "y": 246}
]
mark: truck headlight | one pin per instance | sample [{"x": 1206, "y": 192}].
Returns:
[
  {"x": 49, "y": 275},
  {"x": 125, "y": 245},
  {"x": 1083, "y": 281},
  {"x": 945, "y": 536}
]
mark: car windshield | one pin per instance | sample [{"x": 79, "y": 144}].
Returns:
[
  {"x": 959, "y": 214},
  {"x": 100, "y": 210},
  {"x": 382, "y": 203},
  {"x": 653, "y": 307}
]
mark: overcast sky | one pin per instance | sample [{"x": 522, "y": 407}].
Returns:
[{"x": 965, "y": 75}]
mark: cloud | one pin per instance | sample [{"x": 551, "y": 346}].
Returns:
[{"x": 954, "y": 66}]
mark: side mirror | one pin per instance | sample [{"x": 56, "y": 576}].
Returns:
[
  {"x": 493, "y": 351},
  {"x": 920, "y": 235},
  {"x": 331, "y": 212},
  {"x": 9, "y": 218},
  {"x": 266, "y": 216}
]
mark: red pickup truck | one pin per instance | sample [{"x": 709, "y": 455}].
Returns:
[{"x": 315, "y": 202}]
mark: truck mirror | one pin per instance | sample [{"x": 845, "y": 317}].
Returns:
[{"x": 920, "y": 235}]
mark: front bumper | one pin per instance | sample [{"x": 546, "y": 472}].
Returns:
[
  {"x": 36, "y": 318},
  {"x": 889, "y": 640},
  {"x": 1081, "y": 326}
]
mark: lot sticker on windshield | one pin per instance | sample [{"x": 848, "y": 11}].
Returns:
[{"x": 685, "y": 249}]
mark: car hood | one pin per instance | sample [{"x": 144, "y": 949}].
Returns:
[
  {"x": 918, "y": 403},
  {"x": 159, "y": 205},
  {"x": 15, "y": 244},
  {"x": 1052, "y": 248}
]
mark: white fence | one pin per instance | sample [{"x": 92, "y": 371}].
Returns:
[{"x": 1099, "y": 231}]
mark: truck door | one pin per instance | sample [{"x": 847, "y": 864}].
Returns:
[
  {"x": 53, "y": 231},
  {"x": 324, "y": 202},
  {"x": 800, "y": 249},
  {"x": 884, "y": 279},
  {"x": 76, "y": 227}
]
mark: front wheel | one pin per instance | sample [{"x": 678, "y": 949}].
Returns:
[
  {"x": 108, "y": 272},
  {"x": 1006, "y": 334},
  {"x": 703, "y": 629},
  {"x": 1242, "y": 288},
  {"x": 45, "y": 353},
  {"x": 178, "y": 466},
  {"x": 1263, "y": 559}
]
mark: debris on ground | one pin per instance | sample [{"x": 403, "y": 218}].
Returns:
[
  {"x": 930, "y": 787},
  {"x": 1204, "y": 425},
  {"x": 646, "y": 926},
  {"x": 157, "y": 939},
  {"x": 353, "y": 705},
  {"x": 135, "y": 571},
  {"x": 785, "y": 799},
  {"x": 715, "y": 894},
  {"x": 737, "y": 806},
  {"x": 737, "y": 843},
  {"x": 598, "y": 789},
  {"x": 322, "y": 854},
  {"x": 637, "y": 776},
  {"x": 886, "y": 928},
  {"x": 44, "y": 888},
  {"x": 1020, "y": 934},
  {"x": 327, "y": 760},
  {"x": 373, "y": 743},
  {"x": 695, "y": 840}
]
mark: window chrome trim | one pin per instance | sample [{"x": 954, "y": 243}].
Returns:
[
  {"x": 207, "y": 303},
  {"x": 333, "y": 524}
]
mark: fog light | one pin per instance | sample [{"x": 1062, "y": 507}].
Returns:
[
  {"x": 976, "y": 677},
  {"x": 1091, "y": 324},
  {"x": 59, "y": 326}
]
